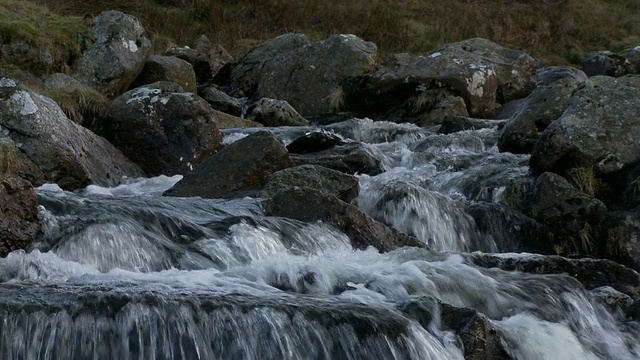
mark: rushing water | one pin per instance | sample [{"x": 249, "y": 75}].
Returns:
[{"x": 124, "y": 273}]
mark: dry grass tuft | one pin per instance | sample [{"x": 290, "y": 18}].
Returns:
[
  {"x": 336, "y": 99},
  {"x": 79, "y": 104},
  {"x": 585, "y": 179}
]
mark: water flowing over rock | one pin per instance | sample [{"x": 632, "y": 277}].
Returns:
[
  {"x": 118, "y": 55},
  {"x": 19, "y": 223},
  {"x": 598, "y": 129},
  {"x": 244, "y": 165},
  {"x": 453, "y": 124},
  {"x": 271, "y": 112},
  {"x": 542, "y": 107},
  {"x": 66, "y": 153},
  {"x": 161, "y": 128},
  {"x": 167, "y": 68}
]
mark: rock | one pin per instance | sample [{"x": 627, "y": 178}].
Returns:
[
  {"x": 542, "y": 107},
  {"x": 599, "y": 128},
  {"x": 241, "y": 166},
  {"x": 270, "y": 112},
  {"x": 444, "y": 142},
  {"x": 613, "y": 299},
  {"x": 215, "y": 55},
  {"x": 60, "y": 80},
  {"x": 633, "y": 56},
  {"x": 200, "y": 64},
  {"x": 81, "y": 103},
  {"x": 551, "y": 74},
  {"x": 19, "y": 51},
  {"x": 226, "y": 121},
  {"x": 344, "y": 187},
  {"x": 350, "y": 158},
  {"x": 311, "y": 205},
  {"x": 607, "y": 63},
  {"x": 310, "y": 77},
  {"x": 450, "y": 106},
  {"x": 618, "y": 236},
  {"x": 249, "y": 69},
  {"x": 510, "y": 229},
  {"x": 314, "y": 141},
  {"x": 161, "y": 128},
  {"x": 453, "y": 124},
  {"x": 554, "y": 199},
  {"x": 167, "y": 68},
  {"x": 19, "y": 223},
  {"x": 626, "y": 186},
  {"x": 220, "y": 101},
  {"x": 66, "y": 153},
  {"x": 118, "y": 55},
  {"x": 510, "y": 109}
]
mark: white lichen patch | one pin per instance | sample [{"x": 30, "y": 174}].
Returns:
[
  {"x": 142, "y": 94},
  {"x": 131, "y": 45},
  {"x": 435, "y": 55},
  {"x": 458, "y": 61},
  {"x": 6, "y": 82},
  {"x": 475, "y": 84},
  {"x": 24, "y": 103}
]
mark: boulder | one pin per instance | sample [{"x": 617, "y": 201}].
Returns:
[
  {"x": 612, "y": 299},
  {"x": 633, "y": 56},
  {"x": 310, "y": 77},
  {"x": 215, "y": 55},
  {"x": 542, "y": 107},
  {"x": 449, "y": 106},
  {"x": 350, "y": 158},
  {"x": 226, "y": 121},
  {"x": 554, "y": 199},
  {"x": 311, "y": 205},
  {"x": 19, "y": 51},
  {"x": 344, "y": 187},
  {"x": 219, "y": 100},
  {"x": 314, "y": 141},
  {"x": 244, "y": 165},
  {"x": 249, "y": 69},
  {"x": 551, "y": 74},
  {"x": 167, "y": 68},
  {"x": 607, "y": 63},
  {"x": 453, "y": 124},
  {"x": 161, "y": 128},
  {"x": 599, "y": 128},
  {"x": 19, "y": 223},
  {"x": 118, "y": 55},
  {"x": 618, "y": 237},
  {"x": 66, "y": 153},
  {"x": 270, "y": 112}
]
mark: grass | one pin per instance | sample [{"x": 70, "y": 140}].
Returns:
[
  {"x": 80, "y": 104},
  {"x": 557, "y": 31},
  {"x": 585, "y": 179}
]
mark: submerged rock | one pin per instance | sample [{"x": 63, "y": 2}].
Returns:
[{"x": 244, "y": 165}]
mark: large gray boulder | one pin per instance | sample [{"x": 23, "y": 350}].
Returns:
[
  {"x": 542, "y": 107},
  {"x": 219, "y": 100},
  {"x": 161, "y": 128},
  {"x": 66, "y": 153},
  {"x": 19, "y": 223},
  {"x": 551, "y": 74},
  {"x": 310, "y": 77},
  {"x": 271, "y": 112},
  {"x": 118, "y": 55},
  {"x": 167, "y": 68},
  {"x": 607, "y": 63},
  {"x": 247, "y": 73},
  {"x": 600, "y": 128},
  {"x": 244, "y": 165}
]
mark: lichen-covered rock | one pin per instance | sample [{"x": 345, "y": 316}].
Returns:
[
  {"x": 167, "y": 68},
  {"x": 551, "y": 74},
  {"x": 244, "y": 165},
  {"x": 249, "y": 69},
  {"x": 66, "y": 153},
  {"x": 599, "y": 128},
  {"x": 161, "y": 128},
  {"x": 607, "y": 63},
  {"x": 312, "y": 205},
  {"x": 344, "y": 187},
  {"x": 118, "y": 55},
  {"x": 19, "y": 223},
  {"x": 220, "y": 101},
  {"x": 542, "y": 107},
  {"x": 271, "y": 112}
]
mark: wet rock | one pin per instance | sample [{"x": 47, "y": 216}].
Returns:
[
  {"x": 511, "y": 230},
  {"x": 607, "y": 63},
  {"x": 118, "y": 55},
  {"x": 633, "y": 56},
  {"x": 220, "y": 101},
  {"x": 449, "y": 106},
  {"x": 453, "y": 124},
  {"x": 161, "y": 128},
  {"x": 553, "y": 199},
  {"x": 167, "y": 68},
  {"x": 613, "y": 299},
  {"x": 313, "y": 142},
  {"x": 443, "y": 142},
  {"x": 510, "y": 109},
  {"x": 598, "y": 129},
  {"x": 249, "y": 69},
  {"x": 66, "y": 153},
  {"x": 271, "y": 112},
  {"x": 551, "y": 74},
  {"x": 350, "y": 158},
  {"x": 19, "y": 223},
  {"x": 542, "y": 107},
  {"x": 244, "y": 165},
  {"x": 308, "y": 204},
  {"x": 344, "y": 187}
]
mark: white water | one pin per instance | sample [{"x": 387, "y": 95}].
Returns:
[{"x": 123, "y": 273}]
